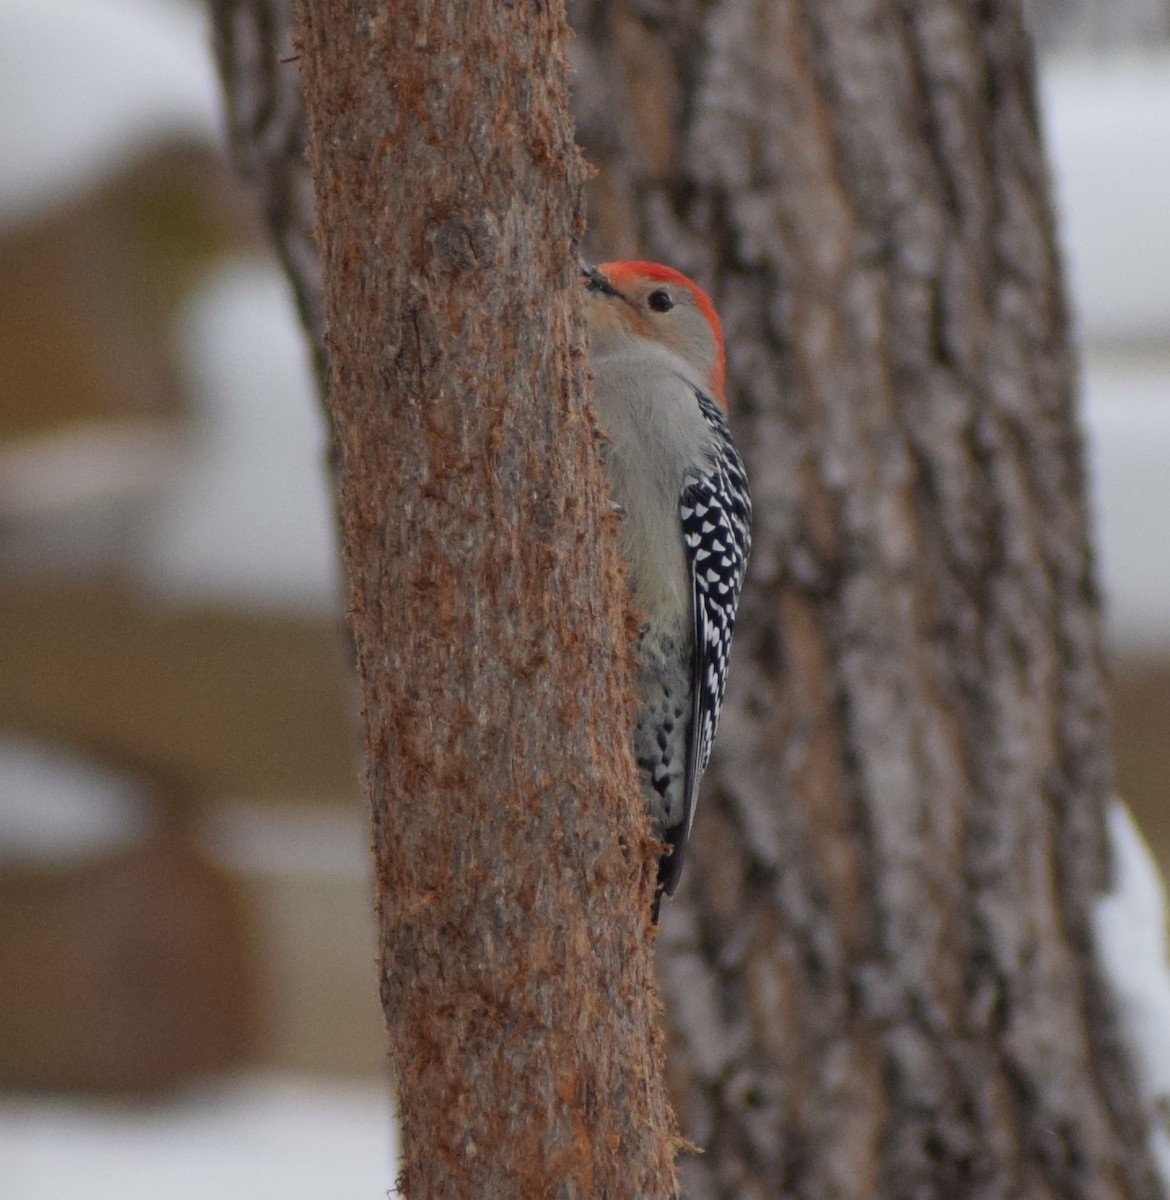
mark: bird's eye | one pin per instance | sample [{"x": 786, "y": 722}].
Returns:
[{"x": 660, "y": 301}]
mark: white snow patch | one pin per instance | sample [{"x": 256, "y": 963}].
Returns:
[
  {"x": 72, "y": 498},
  {"x": 1106, "y": 120},
  {"x": 1130, "y": 931},
  {"x": 55, "y": 805},
  {"x": 249, "y": 520},
  {"x": 290, "y": 839},
  {"x": 265, "y": 1137},
  {"x": 82, "y": 466},
  {"x": 86, "y": 85},
  {"x": 1127, "y": 420}
]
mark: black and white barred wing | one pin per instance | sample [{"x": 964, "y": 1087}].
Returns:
[{"x": 715, "y": 510}]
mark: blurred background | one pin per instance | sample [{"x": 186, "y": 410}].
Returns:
[{"x": 188, "y": 1000}]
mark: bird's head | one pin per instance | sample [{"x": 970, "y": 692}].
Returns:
[{"x": 630, "y": 300}]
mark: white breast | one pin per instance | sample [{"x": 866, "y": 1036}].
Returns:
[{"x": 646, "y": 407}]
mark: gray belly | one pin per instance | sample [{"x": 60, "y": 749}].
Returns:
[{"x": 662, "y": 684}]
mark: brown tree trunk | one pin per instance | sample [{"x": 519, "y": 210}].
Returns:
[
  {"x": 514, "y": 867},
  {"x": 879, "y": 972}
]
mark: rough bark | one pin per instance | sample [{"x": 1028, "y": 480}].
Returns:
[
  {"x": 514, "y": 867},
  {"x": 879, "y": 971}
]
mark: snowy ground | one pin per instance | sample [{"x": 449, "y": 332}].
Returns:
[
  {"x": 1130, "y": 928},
  {"x": 259, "y": 1138}
]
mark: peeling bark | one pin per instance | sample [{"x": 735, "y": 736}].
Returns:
[
  {"x": 514, "y": 866},
  {"x": 879, "y": 973}
]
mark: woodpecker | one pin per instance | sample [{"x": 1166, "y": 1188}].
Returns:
[{"x": 656, "y": 351}]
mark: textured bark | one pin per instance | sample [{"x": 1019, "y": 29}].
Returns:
[
  {"x": 514, "y": 867},
  {"x": 879, "y": 971}
]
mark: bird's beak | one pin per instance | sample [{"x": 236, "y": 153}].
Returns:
[{"x": 595, "y": 281}]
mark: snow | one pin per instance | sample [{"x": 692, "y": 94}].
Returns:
[
  {"x": 1131, "y": 936},
  {"x": 264, "y": 1137},
  {"x": 73, "y": 497},
  {"x": 290, "y": 840},
  {"x": 1106, "y": 121},
  {"x": 86, "y": 85},
  {"x": 58, "y": 805},
  {"x": 1127, "y": 417},
  {"x": 83, "y": 465},
  {"x": 249, "y": 520}
]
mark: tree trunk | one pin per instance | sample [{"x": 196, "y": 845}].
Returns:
[
  {"x": 514, "y": 866},
  {"x": 879, "y": 972}
]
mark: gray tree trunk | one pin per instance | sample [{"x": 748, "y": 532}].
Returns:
[{"x": 879, "y": 974}]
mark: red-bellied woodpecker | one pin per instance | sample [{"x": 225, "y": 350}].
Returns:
[{"x": 656, "y": 350}]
